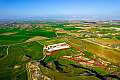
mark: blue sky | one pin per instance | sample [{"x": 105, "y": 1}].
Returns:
[{"x": 59, "y": 7}]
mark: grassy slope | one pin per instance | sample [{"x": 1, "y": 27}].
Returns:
[
  {"x": 16, "y": 56},
  {"x": 33, "y": 49},
  {"x": 17, "y": 53}
]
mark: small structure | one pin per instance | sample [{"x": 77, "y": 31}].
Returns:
[{"x": 55, "y": 47}]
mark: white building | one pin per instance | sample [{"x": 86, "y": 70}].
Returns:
[{"x": 55, "y": 47}]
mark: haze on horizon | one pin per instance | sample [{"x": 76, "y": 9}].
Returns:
[{"x": 105, "y": 8}]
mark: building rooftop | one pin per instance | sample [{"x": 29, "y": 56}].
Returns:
[{"x": 55, "y": 47}]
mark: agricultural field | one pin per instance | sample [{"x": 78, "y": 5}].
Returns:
[
  {"x": 71, "y": 28},
  {"x": 99, "y": 50},
  {"x": 92, "y": 52},
  {"x": 113, "y": 43},
  {"x": 59, "y": 39},
  {"x": 17, "y": 49}
]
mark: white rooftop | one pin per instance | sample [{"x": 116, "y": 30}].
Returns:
[{"x": 55, "y": 47}]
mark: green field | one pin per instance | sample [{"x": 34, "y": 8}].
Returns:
[
  {"x": 22, "y": 35},
  {"x": 15, "y": 57},
  {"x": 71, "y": 28},
  {"x": 33, "y": 50},
  {"x": 18, "y": 55},
  {"x": 13, "y": 63},
  {"x": 12, "y": 39},
  {"x": 37, "y": 32}
]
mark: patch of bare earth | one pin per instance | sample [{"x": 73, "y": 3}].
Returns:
[
  {"x": 61, "y": 31},
  {"x": 36, "y": 38},
  {"x": 8, "y": 33}
]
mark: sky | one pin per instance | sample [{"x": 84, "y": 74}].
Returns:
[{"x": 59, "y": 7}]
